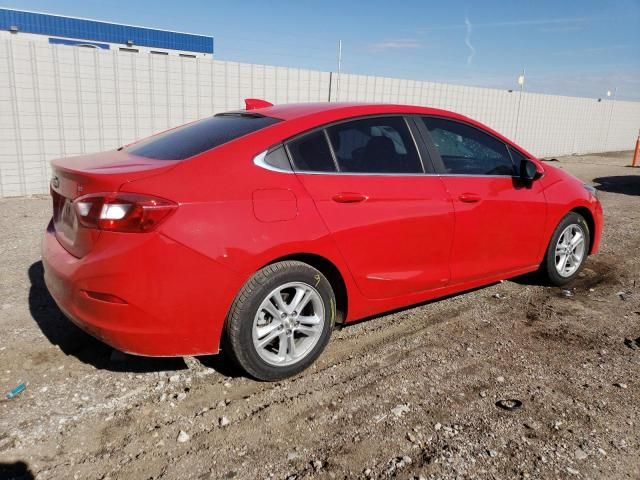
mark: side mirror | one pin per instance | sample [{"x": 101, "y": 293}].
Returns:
[{"x": 528, "y": 171}]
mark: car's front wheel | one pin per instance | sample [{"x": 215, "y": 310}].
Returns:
[
  {"x": 568, "y": 249},
  {"x": 281, "y": 320}
]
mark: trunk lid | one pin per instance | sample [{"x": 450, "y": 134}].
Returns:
[{"x": 74, "y": 177}]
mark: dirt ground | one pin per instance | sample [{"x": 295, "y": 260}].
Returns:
[{"x": 406, "y": 395}]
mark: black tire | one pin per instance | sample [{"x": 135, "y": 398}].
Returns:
[
  {"x": 549, "y": 263},
  {"x": 238, "y": 333}
]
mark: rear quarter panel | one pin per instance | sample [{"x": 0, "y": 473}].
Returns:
[{"x": 241, "y": 215}]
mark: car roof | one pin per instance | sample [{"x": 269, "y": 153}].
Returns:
[
  {"x": 316, "y": 114},
  {"x": 291, "y": 111}
]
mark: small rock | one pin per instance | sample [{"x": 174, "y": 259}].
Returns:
[
  {"x": 572, "y": 471},
  {"x": 492, "y": 453},
  {"x": 366, "y": 472},
  {"x": 292, "y": 456},
  {"x": 407, "y": 460},
  {"x": 532, "y": 425},
  {"x": 181, "y": 396},
  {"x": 632, "y": 344},
  {"x": 317, "y": 465},
  {"x": 437, "y": 426},
  {"x": 622, "y": 295},
  {"x": 580, "y": 454},
  {"x": 500, "y": 379},
  {"x": 483, "y": 394},
  {"x": 411, "y": 437},
  {"x": 620, "y": 385},
  {"x": 556, "y": 425},
  {"x": 183, "y": 436},
  {"x": 174, "y": 378},
  {"x": 567, "y": 293},
  {"x": 224, "y": 421},
  {"x": 400, "y": 410},
  {"x": 499, "y": 296},
  {"x": 602, "y": 452},
  {"x": 226, "y": 384}
]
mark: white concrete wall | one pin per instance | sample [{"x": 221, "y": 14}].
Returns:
[{"x": 58, "y": 101}]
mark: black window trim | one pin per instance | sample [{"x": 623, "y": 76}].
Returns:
[
  {"x": 437, "y": 159},
  {"x": 334, "y": 157},
  {"x": 410, "y": 122}
]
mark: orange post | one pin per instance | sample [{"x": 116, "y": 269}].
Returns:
[{"x": 635, "y": 154}]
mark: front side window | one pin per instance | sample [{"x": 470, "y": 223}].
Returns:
[
  {"x": 198, "y": 137},
  {"x": 374, "y": 145},
  {"x": 466, "y": 150}
]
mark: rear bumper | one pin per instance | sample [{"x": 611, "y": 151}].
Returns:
[{"x": 176, "y": 299}]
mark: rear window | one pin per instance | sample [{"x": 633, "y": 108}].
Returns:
[{"x": 198, "y": 137}]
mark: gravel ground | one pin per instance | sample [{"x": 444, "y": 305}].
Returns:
[{"x": 406, "y": 395}]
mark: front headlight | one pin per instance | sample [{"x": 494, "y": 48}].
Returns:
[{"x": 591, "y": 189}]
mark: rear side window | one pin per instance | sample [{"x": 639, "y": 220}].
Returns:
[
  {"x": 375, "y": 145},
  {"x": 198, "y": 137},
  {"x": 466, "y": 150},
  {"x": 311, "y": 153}
]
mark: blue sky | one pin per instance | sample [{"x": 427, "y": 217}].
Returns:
[{"x": 581, "y": 48}]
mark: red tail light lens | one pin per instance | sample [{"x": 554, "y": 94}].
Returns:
[{"x": 122, "y": 212}]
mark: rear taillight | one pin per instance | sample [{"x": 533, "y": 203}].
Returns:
[{"x": 122, "y": 212}]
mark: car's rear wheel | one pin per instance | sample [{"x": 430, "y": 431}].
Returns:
[
  {"x": 281, "y": 320},
  {"x": 568, "y": 249}
]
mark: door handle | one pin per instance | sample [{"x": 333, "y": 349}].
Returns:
[
  {"x": 349, "y": 197},
  {"x": 470, "y": 198}
]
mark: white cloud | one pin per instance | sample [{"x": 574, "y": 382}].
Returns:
[
  {"x": 573, "y": 23},
  {"x": 396, "y": 45},
  {"x": 467, "y": 40}
]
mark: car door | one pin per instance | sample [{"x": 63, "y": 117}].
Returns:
[
  {"x": 499, "y": 220},
  {"x": 392, "y": 223}
]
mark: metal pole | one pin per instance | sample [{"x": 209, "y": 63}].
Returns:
[
  {"x": 606, "y": 138},
  {"x": 339, "y": 70},
  {"x": 330, "y": 77},
  {"x": 521, "y": 82}
]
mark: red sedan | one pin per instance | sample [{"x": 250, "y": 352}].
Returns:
[{"x": 257, "y": 231}]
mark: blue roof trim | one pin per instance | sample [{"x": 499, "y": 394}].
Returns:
[{"x": 41, "y": 23}]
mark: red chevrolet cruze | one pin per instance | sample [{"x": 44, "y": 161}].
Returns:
[{"x": 256, "y": 231}]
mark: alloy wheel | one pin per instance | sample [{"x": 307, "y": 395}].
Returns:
[
  {"x": 570, "y": 250},
  {"x": 288, "y": 324}
]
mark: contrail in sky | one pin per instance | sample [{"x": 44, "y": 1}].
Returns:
[{"x": 467, "y": 40}]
